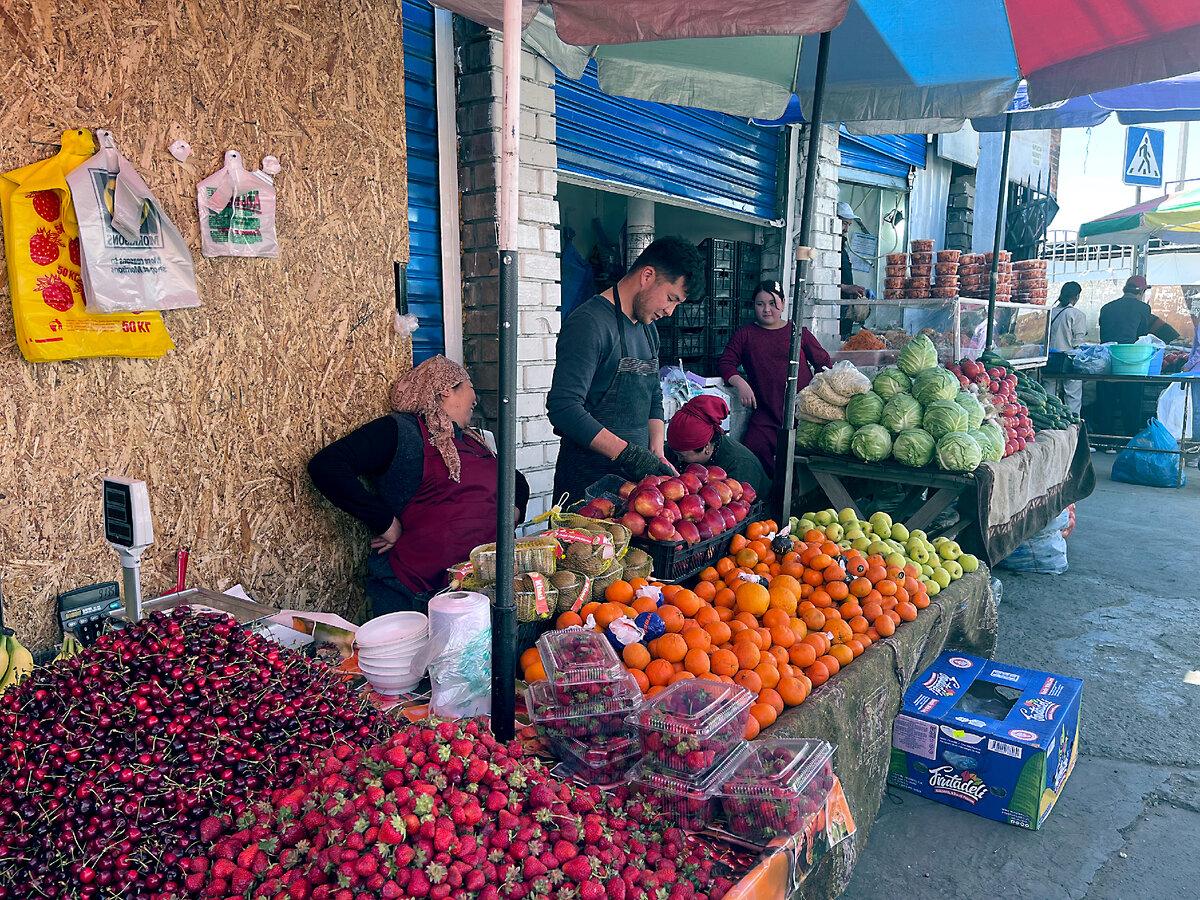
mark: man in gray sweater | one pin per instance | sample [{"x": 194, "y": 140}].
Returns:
[{"x": 605, "y": 400}]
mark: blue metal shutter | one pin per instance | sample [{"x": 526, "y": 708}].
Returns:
[
  {"x": 882, "y": 154},
  {"x": 424, "y": 223},
  {"x": 708, "y": 158}
]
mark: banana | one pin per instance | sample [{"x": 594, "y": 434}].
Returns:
[
  {"x": 3, "y": 656},
  {"x": 8, "y": 675},
  {"x": 20, "y": 663},
  {"x": 70, "y": 647}
]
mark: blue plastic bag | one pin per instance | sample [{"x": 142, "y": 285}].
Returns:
[
  {"x": 1046, "y": 552},
  {"x": 1135, "y": 465}
]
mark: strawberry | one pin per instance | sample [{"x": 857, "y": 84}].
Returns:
[
  {"x": 47, "y": 205},
  {"x": 578, "y": 869},
  {"x": 55, "y": 292},
  {"x": 44, "y": 247},
  {"x": 592, "y": 890}
]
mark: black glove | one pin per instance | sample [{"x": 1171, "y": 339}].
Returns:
[{"x": 636, "y": 463}]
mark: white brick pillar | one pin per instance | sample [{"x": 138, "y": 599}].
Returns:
[{"x": 479, "y": 111}]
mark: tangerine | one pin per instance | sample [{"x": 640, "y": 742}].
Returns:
[
  {"x": 529, "y": 657},
  {"x": 568, "y": 619},
  {"x": 748, "y": 655},
  {"x": 686, "y": 602},
  {"x": 746, "y": 558},
  {"x": 859, "y": 624},
  {"x": 831, "y": 664},
  {"x": 645, "y": 604},
  {"x": 620, "y": 591},
  {"x": 817, "y": 673},
  {"x": 753, "y": 598},
  {"x": 609, "y": 613},
  {"x": 748, "y": 679},
  {"x": 843, "y": 654},
  {"x": 793, "y": 691},
  {"x": 724, "y": 566},
  {"x": 536, "y": 672},
  {"x": 752, "y": 728},
  {"x": 671, "y": 647},
  {"x": 672, "y": 618},
  {"x": 782, "y": 636},
  {"x": 709, "y": 573},
  {"x": 696, "y": 662},
  {"x": 724, "y": 599},
  {"x": 906, "y": 611},
  {"x": 707, "y": 615},
  {"x": 636, "y": 656},
  {"x": 681, "y": 676},
  {"x": 723, "y": 662},
  {"x": 781, "y": 656},
  {"x": 884, "y": 625},
  {"x": 764, "y": 713},
  {"x": 821, "y": 598},
  {"x": 639, "y": 676},
  {"x": 783, "y": 598},
  {"x": 697, "y": 638},
  {"x": 838, "y": 590},
  {"x": 719, "y": 632},
  {"x": 786, "y": 582},
  {"x": 772, "y": 698},
  {"x": 767, "y": 672},
  {"x": 749, "y": 636}
]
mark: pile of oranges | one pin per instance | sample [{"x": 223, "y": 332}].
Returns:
[{"x": 779, "y": 625}]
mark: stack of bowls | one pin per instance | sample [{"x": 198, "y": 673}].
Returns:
[{"x": 387, "y": 649}]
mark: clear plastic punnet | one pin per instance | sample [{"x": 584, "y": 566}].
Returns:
[
  {"x": 692, "y": 724},
  {"x": 582, "y": 721},
  {"x": 581, "y": 666},
  {"x": 692, "y": 802},
  {"x": 777, "y": 786},
  {"x": 601, "y": 760}
]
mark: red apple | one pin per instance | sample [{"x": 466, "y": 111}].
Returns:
[
  {"x": 704, "y": 530},
  {"x": 691, "y": 482},
  {"x": 715, "y": 521},
  {"x": 660, "y": 528},
  {"x": 626, "y": 489},
  {"x": 605, "y": 506},
  {"x": 635, "y": 523},
  {"x": 739, "y": 508},
  {"x": 689, "y": 532},
  {"x": 691, "y": 508},
  {"x": 749, "y": 494},
  {"x": 673, "y": 488},
  {"x": 728, "y": 516},
  {"x": 671, "y": 511},
  {"x": 735, "y": 487},
  {"x": 716, "y": 473},
  {"x": 647, "y": 502},
  {"x": 592, "y": 511},
  {"x": 701, "y": 472},
  {"x": 723, "y": 491},
  {"x": 709, "y": 495},
  {"x": 650, "y": 481}
]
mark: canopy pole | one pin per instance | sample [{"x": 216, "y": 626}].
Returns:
[
  {"x": 504, "y": 618},
  {"x": 785, "y": 447},
  {"x": 998, "y": 243}
]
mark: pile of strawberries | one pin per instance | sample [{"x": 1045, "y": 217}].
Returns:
[{"x": 441, "y": 809}]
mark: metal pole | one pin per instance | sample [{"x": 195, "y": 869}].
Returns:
[
  {"x": 1001, "y": 215},
  {"x": 504, "y": 618},
  {"x": 785, "y": 447},
  {"x": 1184, "y": 128},
  {"x": 1139, "y": 250}
]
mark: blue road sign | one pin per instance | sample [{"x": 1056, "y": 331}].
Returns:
[{"x": 1143, "y": 156}]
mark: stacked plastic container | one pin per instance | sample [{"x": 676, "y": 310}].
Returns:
[
  {"x": 777, "y": 788},
  {"x": 583, "y": 705},
  {"x": 920, "y": 270},
  {"x": 946, "y": 272},
  {"x": 1030, "y": 281},
  {"x": 692, "y": 738}
]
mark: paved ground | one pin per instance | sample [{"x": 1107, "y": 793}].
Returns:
[{"x": 1125, "y": 619}]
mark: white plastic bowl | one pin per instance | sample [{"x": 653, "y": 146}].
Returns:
[
  {"x": 393, "y": 628},
  {"x": 387, "y": 666},
  {"x": 394, "y": 648},
  {"x": 391, "y": 685}
]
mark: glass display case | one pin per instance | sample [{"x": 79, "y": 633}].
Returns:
[{"x": 873, "y": 332}]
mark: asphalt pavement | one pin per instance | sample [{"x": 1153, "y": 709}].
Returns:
[{"x": 1126, "y": 619}]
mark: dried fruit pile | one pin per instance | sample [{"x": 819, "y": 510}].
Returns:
[
  {"x": 442, "y": 809},
  {"x": 119, "y": 762}
]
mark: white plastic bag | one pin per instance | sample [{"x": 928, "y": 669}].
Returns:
[
  {"x": 237, "y": 211},
  {"x": 1176, "y": 411},
  {"x": 132, "y": 256}
]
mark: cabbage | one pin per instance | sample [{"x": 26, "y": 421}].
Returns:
[
  {"x": 958, "y": 452},
  {"x": 973, "y": 407},
  {"x": 835, "y": 438},
  {"x": 871, "y": 443},
  {"x": 935, "y": 384},
  {"x": 808, "y": 434},
  {"x": 991, "y": 450},
  {"x": 914, "y": 447},
  {"x": 864, "y": 409},
  {"x": 942, "y": 417},
  {"x": 891, "y": 381},
  {"x": 992, "y": 428},
  {"x": 918, "y": 355},
  {"x": 900, "y": 413}
]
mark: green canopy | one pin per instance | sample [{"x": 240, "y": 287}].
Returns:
[{"x": 1174, "y": 218}]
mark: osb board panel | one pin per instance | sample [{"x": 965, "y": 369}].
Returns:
[{"x": 283, "y": 356}]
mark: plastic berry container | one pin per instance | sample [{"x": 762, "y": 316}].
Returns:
[
  {"x": 600, "y": 760},
  {"x": 581, "y": 666},
  {"x": 691, "y": 725},
  {"x": 777, "y": 786},
  {"x": 581, "y": 721},
  {"x": 691, "y": 802}
]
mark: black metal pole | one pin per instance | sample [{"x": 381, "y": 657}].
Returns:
[
  {"x": 504, "y": 618},
  {"x": 400, "y": 273},
  {"x": 998, "y": 242},
  {"x": 785, "y": 446}
]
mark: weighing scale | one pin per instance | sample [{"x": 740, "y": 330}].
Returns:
[{"x": 83, "y": 611}]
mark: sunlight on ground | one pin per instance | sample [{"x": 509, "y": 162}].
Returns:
[{"x": 1192, "y": 677}]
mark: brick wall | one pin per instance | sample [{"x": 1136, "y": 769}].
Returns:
[{"x": 479, "y": 116}]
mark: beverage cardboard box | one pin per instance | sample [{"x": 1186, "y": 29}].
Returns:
[{"x": 993, "y": 739}]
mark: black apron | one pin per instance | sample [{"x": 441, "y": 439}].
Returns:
[{"x": 624, "y": 409}]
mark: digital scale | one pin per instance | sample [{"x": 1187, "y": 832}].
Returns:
[
  {"x": 84, "y": 611},
  {"x": 129, "y": 531}
]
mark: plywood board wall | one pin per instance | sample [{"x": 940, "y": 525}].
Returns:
[{"x": 283, "y": 356}]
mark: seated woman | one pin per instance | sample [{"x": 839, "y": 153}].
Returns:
[
  {"x": 694, "y": 435},
  {"x": 434, "y": 485}
]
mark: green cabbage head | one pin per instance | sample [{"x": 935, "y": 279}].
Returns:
[
  {"x": 918, "y": 355},
  {"x": 871, "y": 443},
  {"x": 835, "y": 437},
  {"x": 864, "y": 409},
  {"x": 942, "y": 417},
  {"x": 974, "y": 408},
  {"x": 958, "y": 452},
  {"x": 808, "y": 434},
  {"x": 890, "y": 381},
  {"x": 935, "y": 384},
  {"x": 900, "y": 413},
  {"x": 914, "y": 447}
]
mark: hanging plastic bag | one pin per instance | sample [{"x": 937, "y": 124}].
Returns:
[
  {"x": 42, "y": 246},
  {"x": 237, "y": 211},
  {"x": 134, "y": 258},
  {"x": 1176, "y": 410},
  {"x": 1138, "y": 463},
  {"x": 1094, "y": 359}
]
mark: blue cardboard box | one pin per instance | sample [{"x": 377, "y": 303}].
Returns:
[{"x": 989, "y": 738}]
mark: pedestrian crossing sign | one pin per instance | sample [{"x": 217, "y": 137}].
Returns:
[{"x": 1143, "y": 156}]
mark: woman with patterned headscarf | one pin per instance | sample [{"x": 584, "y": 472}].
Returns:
[{"x": 433, "y": 485}]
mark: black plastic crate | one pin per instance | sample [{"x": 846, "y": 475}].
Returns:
[
  {"x": 677, "y": 562},
  {"x": 666, "y": 344},
  {"x": 721, "y": 313},
  {"x": 718, "y": 339},
  {"x": 690, "y": 342},
  {"x": 719, "y": 284},
  {"x": 718, "y": 252},
  {"x": 749, "y": 256},
  {"x": 745, "y": 313},
  {"x": 692, "y": 314}
]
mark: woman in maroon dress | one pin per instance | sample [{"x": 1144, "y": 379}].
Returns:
[{"x": 755, "y": 364}]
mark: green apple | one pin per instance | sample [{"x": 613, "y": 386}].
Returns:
[
  {"x": 955, "y": 570},
  {"x": 848, "y": 516},
  {"x": 881, "y": 521},
  {"x": 899, "y": 532},
  {"x": 853, "y": 532},
  {"x": 896, "y": 559},
  {"x": 861, "y": 544},
  {"x": 918, "y": 534},
  {"x": 949, "y": 550},
  {"x": 933, "y": 588},
  {"x": 823, "y": 518},
  {"x": 806, "y": 525},
  {"x": 941, "y": 576},
  {"x": 968, "y": 562},
  {"x": 834, "y": 531},
  {"x": 918, "y": 553},
  {"x": 845, "y": 545},
  {"x": 927, "y": 569},
  {"x": 879, "y": 547}
]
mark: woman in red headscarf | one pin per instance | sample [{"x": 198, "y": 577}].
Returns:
[{"x": 695, "y": 435}]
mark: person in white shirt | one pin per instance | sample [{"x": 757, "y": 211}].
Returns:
[{"x": 1068, "y": 328}]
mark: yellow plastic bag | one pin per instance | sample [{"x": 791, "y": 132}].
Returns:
[{"x": 41, "y": 243}]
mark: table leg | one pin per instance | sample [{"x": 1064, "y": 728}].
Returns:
[
  {"x": 934, "y": 506},
  {"x": 836, "y": 491},
  {"x": 911, "y": 503}
]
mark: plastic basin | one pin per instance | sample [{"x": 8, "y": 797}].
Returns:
[{"x": 1131, "y": 359}]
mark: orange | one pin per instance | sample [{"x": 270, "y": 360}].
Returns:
[
  {"x": 736, "y": 626},
  {"x": 876, "y": 574},
  {"x": 765, "y": 635},
  {"x": 782, "y": 636},
  {"x": 856, "y": 647},
  {"x": 767, "y": 673},
  {"x": 907, "y": 611},
  {"x": 725, "y": 613},
  {"x": 671, "y": 647},
  {"x": 681, "y": 676},
  {"x": 817, "y": 673},
  {"x": 818, "y": 641},
  {"x": 830, "y": 663},
  {"x": 755, "y": 530},
  {"x": 850, "y": 609},
  {"x": 724, "y": 598},
  {"x": 837, "y": 590},
  {"x": 872, "y": 611},
  {"x": 637, "y": 584},
  {"x": 843, "y": 654},
  {"x": 708, "y": 676},
  {"x": 764, "y": 713},
  {"x": 752, "y": 598},
  {"x": 724, "y": 662},
  {"x": 799, "y": 629},
  {"x": 589, "y": 609},
  {"x": 709, "y": 574},
  {"x": 719, "y": 633},
  {"x": 707, "y": 615},
  {"x": 821, "y": 599},
  {"x": 671, "y": 617},
  {"x": 783, "y": 599},
  {"x": 659, "y": 672},
  {"x": 886, "y": 587},
  {"x": 609, "y": 613},
  {"x": 686, "y": 602},
  {"x": 860, "y": 587},
  {"x": 794, "y": 691},
  {"x": 529, "y": 657},
  {"x": 859, "y": 625},
  {"x": 567, "y": 619},
  {"x": 749, "y": 636},
  {"x": 696, "y": 661},
  {"x": 737, "y": 543},
  {"x": 772, "y": 699},
  {"x": 802, "y": 654},
  {"x": 750, "y": 620},
  {"x": 781, "y": 656},
  {"x": 814, "y": 619},
  {"x": 535, "y": 672},
  {"x": 787, "y": 582},
  {"x": 655, "y": 690},
  {"x": 619, "y": 591},
  {"x": 921, "y": 600},
  {"x": 746, "y": 558},
  {"x": 696, "y": 638},
  {"x": 724, "y": 566},
  {"x": 705, "y": 590},
  {"x": 636, "y": 656},
  {"x": 752, "y": 728},
  {"x": 645, "y": 604},
  {"x": 748, "y": 656},
  {"x": 762, "y": 569},
  {"x": 639, "y": 676},
  {"x": 840, "y": 630},
  {"x": 748, "y": 679}
]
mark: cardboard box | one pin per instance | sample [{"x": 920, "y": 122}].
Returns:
[{"x": 989, "y": 738}]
